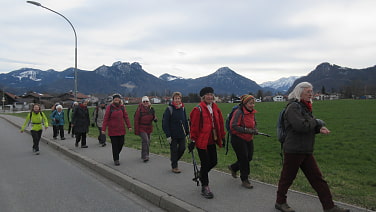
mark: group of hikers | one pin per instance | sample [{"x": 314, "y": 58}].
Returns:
[{"x": 205, "y": 129}]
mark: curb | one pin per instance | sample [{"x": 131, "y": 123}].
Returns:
[{"x": 149, "y": 193}]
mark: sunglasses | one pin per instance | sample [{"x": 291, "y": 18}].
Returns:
[{"x": 145, "y": 101}]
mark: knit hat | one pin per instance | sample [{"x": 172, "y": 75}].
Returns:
[
  {"x": 116, "y": 96},
  {"x": 206, "y": 90},
  {"x": 245, "y": 98},
  {"x": 145, "y": 99},
  {"x": 102, "y": 102}
]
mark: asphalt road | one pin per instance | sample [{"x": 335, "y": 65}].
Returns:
[{"x": 53, "y": 182}]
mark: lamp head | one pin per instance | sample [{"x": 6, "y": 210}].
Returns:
[{"x": 35, "y": 3}]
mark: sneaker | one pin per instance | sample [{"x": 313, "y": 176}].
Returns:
[
  {"x": 176, "y": 170},
  {"x": 117, "y": 163},
  {"x": 283, "y": 207},
  {"x": 205, "y": 191},
  {"x": 62, "y": 138},
  {"x": 233, "y": 173},
  {"x": 84, "y": 146},
  {"x": 247, "y": 184},
  {"x": 337, "y": 209},
  {"x": 36, "y": 152}
]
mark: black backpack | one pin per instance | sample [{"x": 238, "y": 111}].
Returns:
[{"x": 227, "y": 124}]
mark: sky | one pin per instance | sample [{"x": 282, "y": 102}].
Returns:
[{"x": 263, "y": 40}]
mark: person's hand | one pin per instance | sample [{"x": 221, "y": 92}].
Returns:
[
  {"x": 130, "y": 129},
  {"x": 169, "y": 140},
  {"x": 104, "y": 132},
  {"x": 45, "y": 128},
  {"x": 155, "y": 120},
  {"x": 21, "y": 131},
  {"x": 324, "y": 130},
  {"x": 92, "y": 124},
  {"x": 191, "y": 146}
]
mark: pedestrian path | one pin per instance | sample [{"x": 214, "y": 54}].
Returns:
[{"x": 155, "y": 182}]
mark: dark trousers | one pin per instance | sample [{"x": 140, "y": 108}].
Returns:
[
  {"x": 307, "y": 163},
  {"x": 70, "y": 128},
  {"x": 101, "y": 137},
  {"x": 244, "y": 154},
  {"x": 81, "y": 137},
  {"x": 177, "y": 148},
  {"x": 58, "y": 129},
  {"x": 117, "y": 143},
  {"x": 208, "y": 158},
  {"x": 36, "y": 135},
  {"x": 145, "y": 144}
]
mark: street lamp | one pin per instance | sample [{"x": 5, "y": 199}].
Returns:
[
  {"x": 75, "y": 37},
  {"x": 3, "y": 100}
]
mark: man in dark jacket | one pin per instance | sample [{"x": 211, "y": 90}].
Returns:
[
  {"x": 175, "y": 126},
  {"x": 81, "y": 123}
]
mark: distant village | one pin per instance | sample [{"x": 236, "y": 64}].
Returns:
[{"x": 13, "y": 103}]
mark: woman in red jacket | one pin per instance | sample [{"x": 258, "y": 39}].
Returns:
[
  {"x": 143, "y": 125},
  {"x": 207, "y": 130},
  {"x": 243, "y": 127},
  {"x": 116, "y": 119}
]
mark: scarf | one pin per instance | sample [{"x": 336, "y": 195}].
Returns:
[
  {"x": 308, "y": 104},
  {"x": 177, "y": 106}
]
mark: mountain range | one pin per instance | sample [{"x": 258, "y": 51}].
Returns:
[{"x": 130, "y": 79}]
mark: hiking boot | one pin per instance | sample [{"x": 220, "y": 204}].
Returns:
[
  {"x": 284, "y": 207},
  {"x": 104, "y": 144},
  {"x": 233, "y": 173},
  {"x": 117, "y": 163},
  {"x": 36, "y": 152},
  {"x": 247, "y": 184},
  {"x": 176, "y": 170},
  {"x": 145, "y": 160},
  {"x": 205, "y": 191},
  {"x": 84, "y": 146},
  {"x": 337, "y": 209},
  {"x": 62, "y": 138}
]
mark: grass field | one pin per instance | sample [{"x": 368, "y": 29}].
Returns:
[{"x": 346, "y": 156}]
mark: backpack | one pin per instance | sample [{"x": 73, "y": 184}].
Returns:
[
  {"x": 31, "y": 115},
  {"x": 227, "y": 125},
  {"x": 171, "y": 109},
  {"x": 112, "y": 108}
]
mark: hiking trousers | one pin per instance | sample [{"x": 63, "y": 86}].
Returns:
[
  {"x": 307, "y": 163},
  {"x": 117, "y": 143},
  {"x": 58, "y": 130},
  {"x": 208, "y": 158},
  {"x": 244, "y": 153},
  {"x": 145, "y": 143},
  {"x": 177, "y": 148},
  {"x": 36, "y": 135}
]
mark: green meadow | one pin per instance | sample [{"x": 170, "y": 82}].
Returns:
[{"x": 346, "y": 156}]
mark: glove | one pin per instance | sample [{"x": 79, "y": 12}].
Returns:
[
  {"x": 155, "y": 120},
  {"x": 92, "y": 124},
  {"x": 320, "y": 123},
  {"x": 251, "y": 131},
  {"x": 191, "y": 146},
  {"x": 169, "y": 140}
]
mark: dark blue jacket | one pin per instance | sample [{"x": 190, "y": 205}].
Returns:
[{"x": 172, "y": 122}]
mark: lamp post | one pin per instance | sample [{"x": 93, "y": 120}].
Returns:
[
  {"x": 75, "y": 49},
  {"x": 3, "y": 100}
]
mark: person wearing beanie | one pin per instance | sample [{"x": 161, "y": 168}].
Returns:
[
  {"x": 81, "y": 123},
  {"x": 143, "y": 125},
  {"x": 175, "y": 126},
  {"x": 57, "y": 117},
  {"x": 207, "y": 131},
  {"x": 243, "y": 127},
  {"x": 115, "y": 120},
  {"x": 97, "y": 120},
  {"x": 301, "y": 128}
]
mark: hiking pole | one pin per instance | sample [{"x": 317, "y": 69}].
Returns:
[
  {"x": 264, "y": 134},
  {"x": 161, "y": 140},
  {"x": 196, "y": 172}
]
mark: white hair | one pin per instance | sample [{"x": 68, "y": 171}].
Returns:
[
  {"x": 59, "y": 106},
  {"x": 298, "y": 90}
]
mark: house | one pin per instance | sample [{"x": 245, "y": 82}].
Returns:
[
  {"x": 279, "y": 98},
  {"x": 8, "y": 100},
  {"x": 34, "y": 97}
]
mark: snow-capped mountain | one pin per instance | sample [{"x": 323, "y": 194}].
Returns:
[
  {"x": 281, "y": 85},
  {"x": 32, "y": 75},
  {"x": 168, "y": 77}
]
